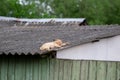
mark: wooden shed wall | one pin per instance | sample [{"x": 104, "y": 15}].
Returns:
[{"x": 35, "y": 68}]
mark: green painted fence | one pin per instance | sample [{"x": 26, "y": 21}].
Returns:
[{"x": 36, "y": 68}]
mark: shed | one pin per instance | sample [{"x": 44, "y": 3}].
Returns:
[{"x": 93, "y": 52}]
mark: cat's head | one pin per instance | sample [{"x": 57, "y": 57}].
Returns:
[{"x": 58, "y": 41}]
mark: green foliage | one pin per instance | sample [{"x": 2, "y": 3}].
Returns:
[
  {"x": 27, "y": 9},
  {"x": 95, "y": 11},
  {"x": 113, "y": 12}
]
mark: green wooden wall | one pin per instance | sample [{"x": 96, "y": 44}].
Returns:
[{"x": 36, "y": 68}]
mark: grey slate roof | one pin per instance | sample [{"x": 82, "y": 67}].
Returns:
[{"x": 28, "y": 39}]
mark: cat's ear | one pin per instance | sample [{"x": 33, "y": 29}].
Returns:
[{"x": 54, "y": 39}]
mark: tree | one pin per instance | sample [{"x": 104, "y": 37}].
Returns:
[
  {"x": 112, "y": 12},
  {"x": 24, "y": 9},
  {"x": 95, "y": 11}
]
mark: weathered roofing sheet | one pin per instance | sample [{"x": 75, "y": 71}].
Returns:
[
  {"x": 28, "y": 39},
  {"x": 11, "y": 21},
  {"x": 43, "y": 19}
]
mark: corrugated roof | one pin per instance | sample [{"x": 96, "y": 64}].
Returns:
[
  {"x": 11, "y": 21},
  {"x": 28, "y": 39},
  {"x": 43, "y": 19}
]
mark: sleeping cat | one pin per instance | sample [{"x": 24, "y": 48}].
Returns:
[{"x": 51, "y": 45}]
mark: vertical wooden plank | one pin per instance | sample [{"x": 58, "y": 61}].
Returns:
[
  {"x": 52, "y": 66},
  {"x": 48, "y": 69},
  {"x": 101, "y": 70},
  {"x": 11, "y": 67},
  {"x": 69, "y": 65},
  {"x": 0, "y": 66},
  {"x": 4, "y": 68},
  {"x": 84, "y": 70},
  {"x": 92, "y": 70},
  {"x": 56, "y": 69},
  {"x": 40, "y": 73},
  {"x": 61, "y": 69},
  {"x": 111, "y": 71},
  {"x": 44, "y": 69},
  {"x": 75, "y": 70},
  {"x": 20, "y": 67},
  {"x": 118, "y": 70},
  {"x": 29, "y": 67},
  {"x": 36, "y": 68},
  {"x": 67, "y": 70}
]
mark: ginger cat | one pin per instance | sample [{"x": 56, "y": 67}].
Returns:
[{"x": 50, "y": 45}]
